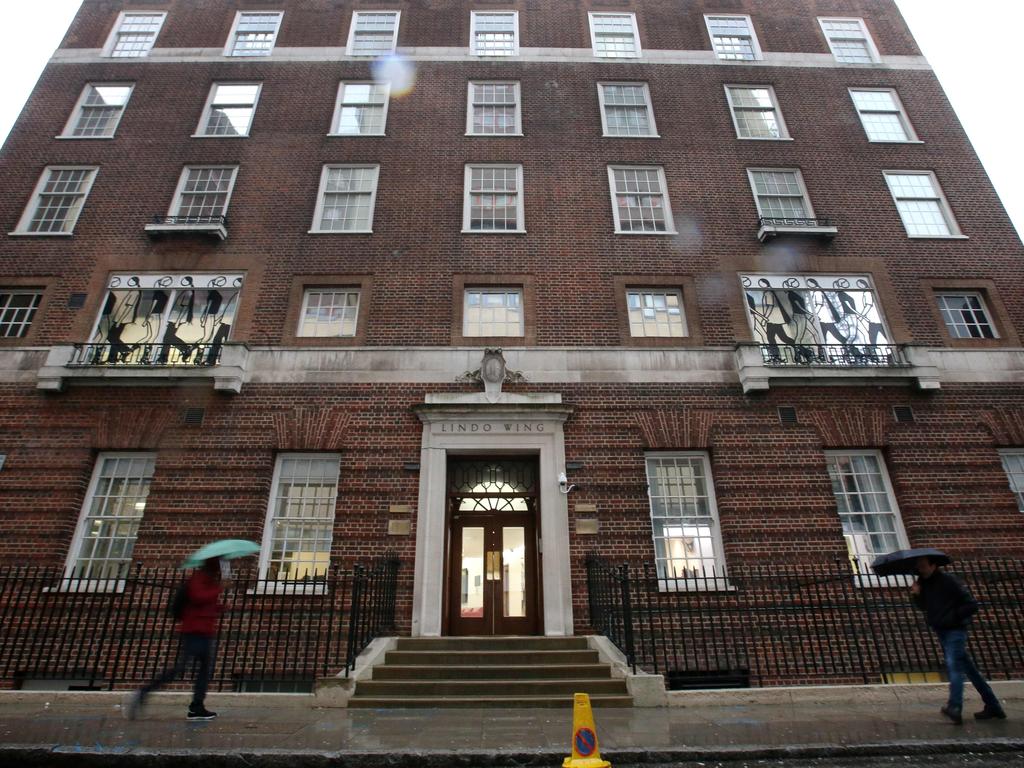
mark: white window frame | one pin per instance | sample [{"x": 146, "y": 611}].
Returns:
[
  {"x": 755, "y": 44},
  {"x": 33, "y": 202},
  {"x": 229, "y": 46},
  {"x": 708, "y": 583},
  {"x": 319, "y": 210},
  {"x": 670, "y": 224},
  {"x": 472, "y": 33},
  {"x": 336, "y": 118},
  {"x": 593, "y": 35},
  {"x": 179, "y": 190},
  {"x": 204, "y": 118},
  {"x": 275, "y": 586},
  {"x": 467, "y": 179},
  {"x": 663, "y": 291},
  {"x": 1018, "y": 492},
  {"x": 307, "y": 290},
  {"x": 23, "y": 325},
  {"x": 783, "y": 129},
  {"x": 869, "y": 42},
  {"x": 352, "y": 30},
  {"x": 865, "y": 577},
  {"x": 108, "y": 46},
  {"x": 904, "y": 118},
  {"x": 800, "y": 180},
  {"x": 984, "y": 308},
  {"x": 484, "y": 289},
  {"x": 947, "y": 213},
  {"x": 76, "y": 113},
  {"x": 69, "y": 584},
  {"x": 604, "y": 117},
  {"x": 469, "y": 108}
]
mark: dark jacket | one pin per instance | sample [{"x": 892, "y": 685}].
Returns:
[
  {"x": 946, "y": 601},
  {"x": 202, "y": 608}
]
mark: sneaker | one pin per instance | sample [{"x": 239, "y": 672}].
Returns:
[
  {"x": 954, "y": 714},
  {"x": 991, "y": 713},
  {"x": 200, "y": 713},
  {"x": 134, "y": 705}
]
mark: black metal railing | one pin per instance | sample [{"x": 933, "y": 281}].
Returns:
[
  {"x": 795, "y": 221},
  {"x": 835, "y": 355},
  {"x": 797, "y": 624},
  {"x": 149, "y": 354},
  {"x": 191, "y": 220},
  {"x": 60, "y": 629}
]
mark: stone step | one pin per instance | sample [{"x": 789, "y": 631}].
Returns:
[
  {"x": 493, "y": 658},
  {"x": 487, "y": 688},
  {"x": 492, "y": 644},
  {"x": 450, "y": 702},
  {"x": 537, "y": 671}
]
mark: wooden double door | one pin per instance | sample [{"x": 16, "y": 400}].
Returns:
[{"x": 493, "y": 569}]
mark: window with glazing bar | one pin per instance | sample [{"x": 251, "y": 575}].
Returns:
[
  {"x": 362, "y": 109},
  {"x": 640, "y": 200},
  {"x": 17, "y": 311},
  {"x": 733, "y": 37},
  {"x": 373, "y": 33},
  {"x": 626, "y": 109},
  {"x": 134, "y": 34},
  {"x": 329, "y": 312},
  {"x": 965, "y": 316},
  {"x": 346, "y": 199},
  {"x": 780, "y": 193},
  {"x": 494, "y": 109},
  {"x": 204, "y": 192},
  {"x": 493, "y": 200},
  {"x": 755, "y": 112},
  {"x": 494, "y": 33},
  {"x": 614, "y": 35},
  {"x": 849, "y": 41},
  {"x": 921, "y": 204},
  {"x": 57, "y": 201},
  {"x": 254, "y": 33},
  {"x": 655, "y": 313},
  {"x": 300, "y": 518},
  {"x": 229, "y": 109},
  {"x": 882, "y": 115},
  {"x": 1013, "y": 463},
  {"x": 98, "y": 111},
  {"x": 493, "y": 312}
]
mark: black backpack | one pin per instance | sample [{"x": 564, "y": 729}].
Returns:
[{"x": 176, "y": 608}]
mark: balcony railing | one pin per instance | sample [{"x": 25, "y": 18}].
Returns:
[
  {"x": 772, "y": 226},
  {"x": 145, "y": 355},
  {"x": 209, "y": 225},
  {"x": 834, "y": 355}
]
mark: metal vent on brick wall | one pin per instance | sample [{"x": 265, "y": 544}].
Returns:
[
  {"x": 787, "y": 414},
  {"x": 194, "y": 416},
  {"x": 76, "y": 301},
  {"x": 904, "y": 413}
]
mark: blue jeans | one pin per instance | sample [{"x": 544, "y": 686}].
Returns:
[
  {"x": 198, "y": 647},
  {"x": 959, "y": 664}
]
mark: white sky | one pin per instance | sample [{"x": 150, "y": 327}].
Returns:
[{"x": 975, "y": 67}]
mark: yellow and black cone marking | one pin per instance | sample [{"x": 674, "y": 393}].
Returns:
[{"x": 585, "y": 751}]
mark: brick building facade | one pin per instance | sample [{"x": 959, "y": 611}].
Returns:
[{"x": 756, "y": 296}]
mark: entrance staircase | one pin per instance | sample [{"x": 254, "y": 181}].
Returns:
[{"x": 490, "y": 672}]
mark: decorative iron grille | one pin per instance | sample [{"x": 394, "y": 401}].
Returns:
[
  {"x": 145, "y": 355},
  {"x": 787, "y": 221},
  {"x": 835, "y": 355},
  {"x": 191, "y": 220}
]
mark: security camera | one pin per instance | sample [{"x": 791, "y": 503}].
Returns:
[{"x": 563, "y": 483}]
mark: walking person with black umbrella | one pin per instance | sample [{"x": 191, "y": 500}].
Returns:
[{"x": 949, "y": 609}]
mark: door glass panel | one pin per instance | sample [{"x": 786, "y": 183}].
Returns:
[
  {"x": 513, "y": 571},
  {"x": 472, "y": 573}
]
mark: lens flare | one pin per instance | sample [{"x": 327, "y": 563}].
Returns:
[{"x": 397, "y": 71}]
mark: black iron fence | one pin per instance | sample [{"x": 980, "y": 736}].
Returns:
[
  {"x": 835, "y": 355},
  {"x": 60, "y": 630},
  {"x": 147, "y": 354},
  {"x": 798, "y": 624}
]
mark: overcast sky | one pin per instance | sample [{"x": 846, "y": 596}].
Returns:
[{"x": 977, "y": 69}]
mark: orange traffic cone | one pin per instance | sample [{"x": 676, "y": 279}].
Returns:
[{"x": 585, "y": 751}]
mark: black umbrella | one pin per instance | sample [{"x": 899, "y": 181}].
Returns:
[{"x": 904, "y": 561}]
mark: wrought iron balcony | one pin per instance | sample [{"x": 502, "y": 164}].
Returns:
[
  {"x": 773, "y": 226},
  {"x": 145, "y": 355},
  {"x": 835, "y": 355},
  {"x": 217, "y": 226}
]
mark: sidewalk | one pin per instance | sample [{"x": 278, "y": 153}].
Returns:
[{"x": 285, "y": 731}]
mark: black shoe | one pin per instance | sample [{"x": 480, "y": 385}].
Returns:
[
  {"x": 954, "y": 714},
  {"x": 991, "y": 713},
  {"x": 200, "y": 713}
]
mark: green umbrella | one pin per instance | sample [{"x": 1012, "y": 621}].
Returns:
[{"x": 228, "y": 549}]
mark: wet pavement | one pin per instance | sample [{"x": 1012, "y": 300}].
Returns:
[{"x": 100, "y": 727}]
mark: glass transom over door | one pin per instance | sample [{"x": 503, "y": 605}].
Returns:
[{"x": 493, "y": 557}]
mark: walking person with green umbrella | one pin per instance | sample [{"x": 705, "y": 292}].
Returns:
[{"x": 199, "y": 607}]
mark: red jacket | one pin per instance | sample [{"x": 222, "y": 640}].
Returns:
[{"x": 202, "y": 608}]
